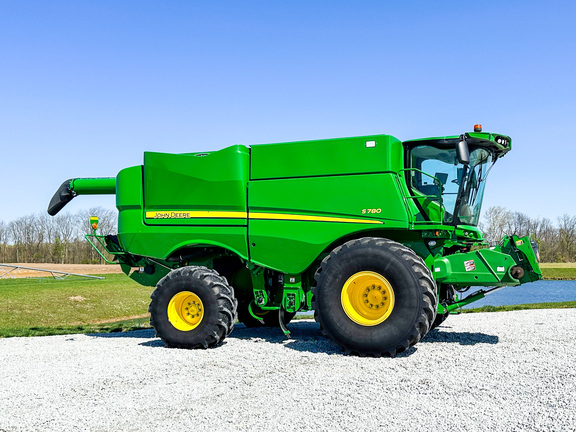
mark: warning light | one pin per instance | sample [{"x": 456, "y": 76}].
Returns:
[
  {"x": 94, "y": 222},
  {"x": 477, "y": 128}
]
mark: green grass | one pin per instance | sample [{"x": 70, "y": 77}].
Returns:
[
  {"x": 558, "y": 265},
  {"x": 113, "y": 327},
  {"x": 29, "y": 307},
  {"x": 558, "y": 271}
]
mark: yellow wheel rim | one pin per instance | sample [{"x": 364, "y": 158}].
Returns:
[
  {"x": 367, "y": 298},
  {"x": 185, "y": 311}
]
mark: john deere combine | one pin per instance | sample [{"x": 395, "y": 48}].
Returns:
[{"x": 379, "y": 237}]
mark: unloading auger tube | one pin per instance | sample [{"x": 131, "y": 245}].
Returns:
[{"x": 80, "y": 186}]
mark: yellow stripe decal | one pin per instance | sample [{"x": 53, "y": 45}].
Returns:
[
  {"x": 182, "y": 214},
  {"x": 293, "y": 217}
]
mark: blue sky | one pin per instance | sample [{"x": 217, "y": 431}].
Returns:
[{"x": 87, "y": 87}]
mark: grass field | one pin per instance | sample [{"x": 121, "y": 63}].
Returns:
[
  {"x": 31, "y": 307},
  {"x": 558, "y": 265},
  {"x": 559, "y": 271}
]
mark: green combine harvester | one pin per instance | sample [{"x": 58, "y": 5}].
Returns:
[{"x": 377, "y": 236}]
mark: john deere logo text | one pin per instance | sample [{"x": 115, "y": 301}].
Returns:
[{"x": 168, "y": 215}]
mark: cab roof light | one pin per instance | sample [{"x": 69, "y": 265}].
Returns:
[{"x": 477, "y": 128}]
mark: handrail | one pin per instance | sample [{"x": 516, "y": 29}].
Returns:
[{"x": 103, "y": 244}]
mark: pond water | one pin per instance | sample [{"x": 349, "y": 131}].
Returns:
[{"x": 535, "y": 292}]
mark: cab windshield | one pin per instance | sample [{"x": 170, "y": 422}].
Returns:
[{"x": 437, "y": 174}]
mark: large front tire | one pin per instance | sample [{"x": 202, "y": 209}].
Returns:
[
  {"x": 193, "y": 307},
  {"x": 374, "y": 296}
]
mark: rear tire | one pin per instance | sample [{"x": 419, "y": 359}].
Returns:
[
  {"x": 193, "y": 307},
  {"x": 374, "y": 296}
]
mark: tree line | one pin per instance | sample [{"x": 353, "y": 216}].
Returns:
[
  {"x": 42, "y": 238},
  {"x": 556, "y": 241}
]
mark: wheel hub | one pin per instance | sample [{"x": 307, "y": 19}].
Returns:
[
  {"x": 367, "y": 298},
  {"x": 185, "y": 311}
]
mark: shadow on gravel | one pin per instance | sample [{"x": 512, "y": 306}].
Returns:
[
  {"x": 156, "y": 343},
  {"x": 462, "y": 338},
  {"x": 298, "y": 329},
  {"x": 138, "y": 334},
  {"x": 307, "y": 337}
]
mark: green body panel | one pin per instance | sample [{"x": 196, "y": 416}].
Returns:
[
  {"x": 489, "y": 266},
  {"x": 129, "y": 191},
  {"x": 521, "y": 250},
  {"x": 367, "y": 154},
  {"x": 177, "y": 187},
  {"x": 349, "y": 196},
  {"x": 139, "y": 237},
  {"x": 291, "y": 246},
  {"x": 162, "y": 242},
  {"x": 484, "y": 267},
  {"x": 469, "y": 233}
]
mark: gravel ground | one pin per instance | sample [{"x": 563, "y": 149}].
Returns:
[{"x": 508, "y": 371}]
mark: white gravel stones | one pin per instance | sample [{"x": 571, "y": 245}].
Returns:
[{"x": 508, "y": 371}]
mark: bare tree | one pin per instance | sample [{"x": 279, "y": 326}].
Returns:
[
  {"x": 66, "y": 233},
  {"x": 567, "y": 238},
  {"x": 4, "y": 239},
  {"x": 546, "y": 234},
  {"x": 48, "y": 225},
  {"x": 556, "y": 243},
  {"x": 520, "y": 224},
  {"x": 27, "y": 237},
  {"x": 107, "y": 220},
  {"x": 498, "y": 223}
]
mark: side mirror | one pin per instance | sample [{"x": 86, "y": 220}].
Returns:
[{"x": 462, "y": 152}]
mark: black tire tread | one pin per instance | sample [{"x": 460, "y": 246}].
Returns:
[
  {"x": 427, "y": 285},
  {"x": 227, "y": 305}
]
